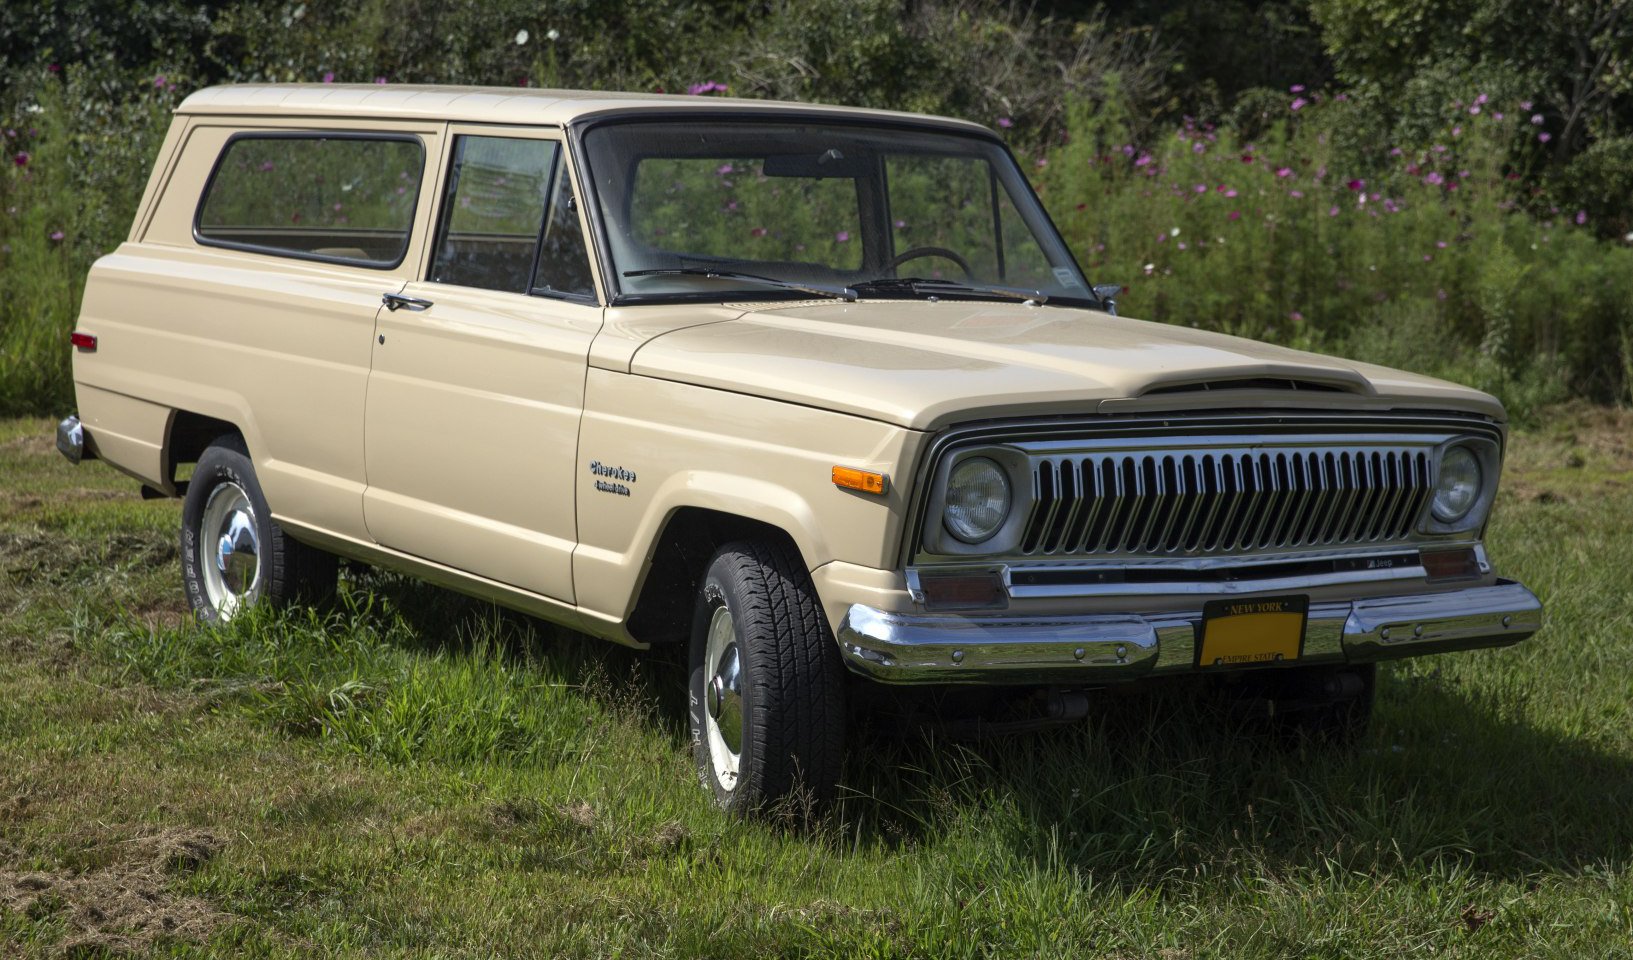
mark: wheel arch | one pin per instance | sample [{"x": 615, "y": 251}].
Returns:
[
  {"x": 677, "y": 561},
  {"x": 186, "y": 437}
]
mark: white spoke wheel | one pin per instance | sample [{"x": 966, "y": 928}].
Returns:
[
  {"x": 767, "y": 701},
  {"x": 232, "y": 552}
]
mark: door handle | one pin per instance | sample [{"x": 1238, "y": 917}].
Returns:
[{"x": 396, "y": 301}]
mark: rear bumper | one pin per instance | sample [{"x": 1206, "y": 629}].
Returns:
[
  {"x": 71, "y": 440},
  {"x": 1097, "y": 649}
]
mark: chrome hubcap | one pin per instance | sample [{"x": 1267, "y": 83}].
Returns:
[
  {"x": 232, "y": 573},
  {"x": 723, "y": 698}
]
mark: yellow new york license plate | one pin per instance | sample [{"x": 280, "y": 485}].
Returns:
[{"x": 1244, "y": 633}]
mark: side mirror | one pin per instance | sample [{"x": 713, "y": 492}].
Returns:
[{"x": 1107, "y": 293}]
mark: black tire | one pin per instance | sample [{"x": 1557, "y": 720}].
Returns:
[
  {"x": 287, "y": 570},
  {"x": 792, "y": 682}
]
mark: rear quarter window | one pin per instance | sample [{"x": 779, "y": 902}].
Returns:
[{"x": 337, "y": 198}]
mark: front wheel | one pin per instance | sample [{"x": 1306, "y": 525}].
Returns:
[
  {"x": 233, "y": 554},
  {"x": 767, "y": 701}
]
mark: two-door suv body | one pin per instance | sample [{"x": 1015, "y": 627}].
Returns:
[{"x": 817, "y": 391}]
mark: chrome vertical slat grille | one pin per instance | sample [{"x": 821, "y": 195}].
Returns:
[{"x": 1224, "y": 501}]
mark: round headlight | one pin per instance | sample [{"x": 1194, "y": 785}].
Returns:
[
  {"x": 1458, "y": 486},
  {"x": 977, "y": 499}
]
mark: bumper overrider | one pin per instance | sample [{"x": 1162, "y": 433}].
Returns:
[{"x": 1112, "y": 648}]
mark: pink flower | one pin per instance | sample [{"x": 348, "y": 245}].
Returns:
[
  {"x": 1342, "y": 98},
  {"x": 1198, "y": 147},
  {"x": 1182, "y": 244},
  {"x": 723, "y": 169},
  {"x": 56, "y": 236},
  {"x": 699, "y": 89},
  {"x": 1357, "y": 184},
  {"x": 159, "y": 82},
  {"x": 1581, "y": 217},
  {"x": 21, "y": 159},
  {"x": 53, "y": 68},
  {"x": 902, "y": 224},
  {"x": 1438, "y": 148},
  {"x": 1201, "y": 188},
  {"x": 1284, "y": 172},
  {"x": 1474, "y": 111},
  {"x": 337, "y": 206},
  {"x": 1299, "y": 103},
  {"x": 1296, "y": 88},
  {"x": 379, "y": 79},
  {"x": 1247, "y": 158},
  {"x": 1434, "y": 179},
  {"x": 1536, "y": 119},
  {"x": 1545, "y": 136},
  {"x": 1482, "y": 98},
  {"x": 1230, "y": 194},
  {"x": 1457, "y": 131},
  {"x": 842, "y": 236},
  {"x": 1332, "y": 211},
  {"x": 1428, "y": 257},
  {"x": 1394, "y": 151},
  {"x": 1042, "y": 162},
  {"x": 1234, "y": 215},
  {"x": 1440, "y": 244},
  {"x": 1390, "y": 206},
  {"x": 1296, "y": 194},
  {"x": 1295, "y": 316},
  {"x": 1498, "y": 115},
  {"x": 266, "y": 166},
  {"x": 329, "y": 77},
  {"x": 1525, "y": 104},
  {"x": 1142, "y": 160},
  {"x": 1005, "y": 122}
]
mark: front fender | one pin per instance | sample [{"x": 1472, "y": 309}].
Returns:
[{"x": 649, "y": 448}]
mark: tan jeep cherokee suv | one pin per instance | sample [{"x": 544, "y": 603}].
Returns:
[{"x": 820, "y": 392}]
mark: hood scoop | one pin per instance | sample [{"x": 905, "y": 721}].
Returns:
[{"x": 1251, "y": 383}]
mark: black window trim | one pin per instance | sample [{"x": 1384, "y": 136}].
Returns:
[{"x": 283, "y": 252}]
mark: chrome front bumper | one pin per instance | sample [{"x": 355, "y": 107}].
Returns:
[{"x": 1097, "y": 649}]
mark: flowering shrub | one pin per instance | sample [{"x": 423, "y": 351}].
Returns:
[
  {"x": 1420, "y": 257},
  {"x": 1431, "y": 256}
]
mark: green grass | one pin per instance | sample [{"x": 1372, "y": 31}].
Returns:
[{"x": 412, "y": 774}]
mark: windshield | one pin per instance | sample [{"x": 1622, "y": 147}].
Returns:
[{"x": 771, "y": 208}]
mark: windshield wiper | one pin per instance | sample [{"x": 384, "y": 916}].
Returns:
[
  {"x": 840, "y": 293},
  {"x": 921, "y": 285}
]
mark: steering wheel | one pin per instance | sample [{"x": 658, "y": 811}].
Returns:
[{"x": 917, "y": 252}]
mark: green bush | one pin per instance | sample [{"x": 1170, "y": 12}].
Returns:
[{"x": 1451, "y": 259}]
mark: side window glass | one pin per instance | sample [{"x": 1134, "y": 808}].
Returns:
[
  {"x": 347, "y": 199},
  {"x": 492, "y": 212},
  {"x": 564, "y": 261}
]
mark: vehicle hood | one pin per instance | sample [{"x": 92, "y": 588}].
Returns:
[{"x": 923, "y": 365}]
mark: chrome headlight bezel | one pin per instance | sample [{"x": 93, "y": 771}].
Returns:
[
  {"x": 939, "y": 538},
  {"x": 1488, "y": 462}
]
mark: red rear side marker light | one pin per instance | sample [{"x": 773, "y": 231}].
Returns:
[{"x": 84, "y": 341}]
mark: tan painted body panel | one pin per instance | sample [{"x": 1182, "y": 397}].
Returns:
[
  {"x": 926, "y": 365},
  {"x": 690, "y": 446},
  {"x": 531, "y": 450}
]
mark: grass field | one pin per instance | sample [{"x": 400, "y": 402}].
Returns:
[{"x": 414, "y": 774}]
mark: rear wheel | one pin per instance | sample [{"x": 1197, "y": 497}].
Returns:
[
  {"x": 232, "y": 552},
  {"x": 767, "y": 701}
]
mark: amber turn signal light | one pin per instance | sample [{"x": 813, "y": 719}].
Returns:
[{"x": 853, "y": 479}]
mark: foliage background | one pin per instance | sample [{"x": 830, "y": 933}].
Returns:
[{"x": 1442, "y": 186}]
